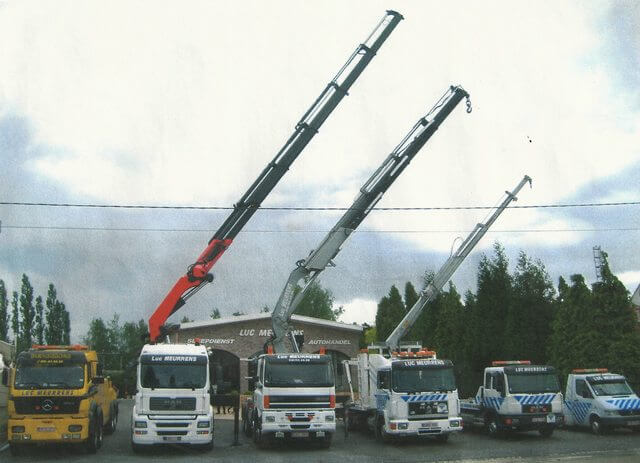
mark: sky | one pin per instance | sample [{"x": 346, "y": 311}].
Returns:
[{"x": 183, "y": 104}]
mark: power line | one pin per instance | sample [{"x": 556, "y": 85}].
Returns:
[
  {"x": 295, "y": 208},
  {"x": 203, "y": 230}
]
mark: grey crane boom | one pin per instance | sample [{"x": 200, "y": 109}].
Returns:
[
  {"x": 450, "y": 266},
  {"x": 370, "y": 193}
]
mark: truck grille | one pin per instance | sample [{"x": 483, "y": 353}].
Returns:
[
  {"x": 169, "y": 403},
  {"x": 424, "y": 409},
  {"x": 299, "y": 401},
  {"x": 43, "y": 405}
]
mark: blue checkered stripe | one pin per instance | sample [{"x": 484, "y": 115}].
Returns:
[
  {"x": 625, "y": 404},
  {"x": 381, "y": 400},
  {"x": 543, "y": 399},
  {"x": 579, "y": 409},
  {"x": 492, "y": 402},
  {"x": 424, "y": 398}
]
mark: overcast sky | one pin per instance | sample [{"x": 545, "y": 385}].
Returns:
[{"x": 184, "y": 103}]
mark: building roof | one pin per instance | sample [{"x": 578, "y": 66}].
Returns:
[{"x": 265, "y": 315}]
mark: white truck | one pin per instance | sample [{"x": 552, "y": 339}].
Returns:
[
  {"x": 294, "y": 397},
  {"x": 403, "y": 394},
  {"x": 173, "y": 398},
  {"x": 600, "y": 400},
  {"x": 516, "y": 396}
]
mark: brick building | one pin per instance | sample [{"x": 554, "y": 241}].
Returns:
[{"x": 236, "y": 339}]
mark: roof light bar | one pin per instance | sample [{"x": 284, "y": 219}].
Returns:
[
  {"x": 590, "y": 370},
  {"x": 502, "y": 363}
]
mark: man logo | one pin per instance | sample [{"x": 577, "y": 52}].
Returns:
[{"x": 47, "y": 405}]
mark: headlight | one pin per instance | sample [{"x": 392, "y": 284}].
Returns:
[
  {"x": 328, "y": 418},
  {"x": 403, "y": 425},
  {"x": 75, "y": 427},
  {"x": 203, "y": 424},
  {"x": 17, "y": 429},
  {"x": 443, "y": 407},
  {"x": 270, "y": 419},
  {"x": 140, "y": 424}
]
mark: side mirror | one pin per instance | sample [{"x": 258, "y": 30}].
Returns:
[
  {"x": 98, "y": 380},
  {"x": 5, "y": 377}
]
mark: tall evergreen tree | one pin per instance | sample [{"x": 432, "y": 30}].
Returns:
[
  {"x": 390, "y": 312},
  {"x": 66, "y": 324},
  {"x": 27, "y": 315},
  {"x": 410, "y": 295},
  {"x": 15, "y": 316},
  {"x": 4, "y": 312},
  {"x": 528, "y": 323},
  {"x": 39, "y": 328}
]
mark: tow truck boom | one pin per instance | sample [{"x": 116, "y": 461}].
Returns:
[
  {"x": 197, "y": 274},
  {"x": 370, "y": 193},
  {"x": 450, "y": 266}
]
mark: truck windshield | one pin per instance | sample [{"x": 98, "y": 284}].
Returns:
[
  {"x": 49, "y": 377},
  {"x": 423, "y": 379},
  {"x": 615, "y": 387},
  {"x": 173, "y": 376},
  {"x": 532, "y": 383},
  {"x": 298, "y": 374}
]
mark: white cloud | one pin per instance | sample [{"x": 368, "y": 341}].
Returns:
[
  {"x": 630, "y": 279},
  {"x": 359, "y": 311}
]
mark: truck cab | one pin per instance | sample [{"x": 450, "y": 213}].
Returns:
[
  {"x": 516, "y": 396},
  {"x": 293, "y": 397},
  {"x": 58, "y": 394},
  {"x": 600, "y": 400},
  {"x": 173, "y": 401},
  {"x": 414, "y": 394}
]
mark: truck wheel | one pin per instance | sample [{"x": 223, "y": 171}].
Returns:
[
  {"x": 16, "y": 449},
  {"x": 596, "y": 425},
  {"x": 325, "y": 442},
  {"x": 92, "y": 444},
  {"x": 113, "y": 421},
  {"x": 381, "y": 434},
  {"x": 246, "y": 426},
  {"x": 258, "y": 438},
  {"x": 546, "y": 431},
  {"x": 491, "y": 424}
]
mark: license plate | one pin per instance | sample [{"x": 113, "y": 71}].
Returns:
[
  {"x": 300, "y": 434},
  {"x": 551, "y": 418},
  {"x": 633, "y": 423},
  {"x": 429, "y": 425},
  {"x": 171, "y": 438},
  {"x": 47, "y": 429},
  {"x": 538, "y": 419}
]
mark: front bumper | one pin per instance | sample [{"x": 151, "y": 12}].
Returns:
[
  {"x": 174, "y": 429},
  {"x": 423, "y": 427},
  {"x": 530, "y": 422},
  {"x": 50, "y": 429},
  {"x": 296, "y": 423}
]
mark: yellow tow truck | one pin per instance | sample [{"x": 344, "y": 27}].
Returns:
[{"x": 57, "y": 394}]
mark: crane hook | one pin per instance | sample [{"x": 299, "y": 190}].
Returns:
[{"x": 469, "y": 108}]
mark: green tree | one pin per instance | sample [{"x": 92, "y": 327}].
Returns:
[
  {"x": 390, "y": 312},
  {"x": 317, "y": 302},
  {"x": 27, "y": 315},
  {"x": 97, "y": 337},
  {"x": 4, "y": 312},
  {"x": 39, "y": 329},
  {"x": 57, "y": 329},
  {"x": 265, "y": 309},
  {"x": 529, "y": 316},
  {"x": 15, "y": 315},
  {"x": 238, "y": 313},
  {"x": 215, "y": 313},
  {"x": 185, "y": 319},
  {"x": 410, "y": 295}
]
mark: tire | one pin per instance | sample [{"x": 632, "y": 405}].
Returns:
[
  {"x": 258, "y": 438},
  {"x": 325, "y": 442},
  {"x": 246, "y": 426},
  {"x": 110, "y": 428},
  {"x": 492, "y": 426},
  {"x": 546, "y": 431},
  {"x": 16, "y": 449},
  {"x": 137, "y": 448},
  {"x": 381, "y": 434},
  {"x": 93, "y": 442},
  {"x": 596, "y": 426},
  {"x": 100, "y": 430},
  {"x": 442, "y": 438}
]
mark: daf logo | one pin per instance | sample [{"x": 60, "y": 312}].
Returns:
[
  {"x": 47, "y": 405},
  {"x": 172, "y": 404}
]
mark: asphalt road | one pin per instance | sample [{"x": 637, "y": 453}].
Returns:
[{"x": 564, "y": 445}]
